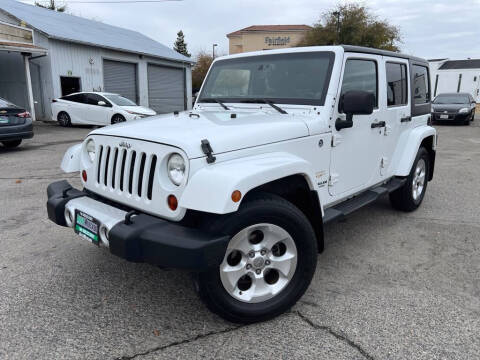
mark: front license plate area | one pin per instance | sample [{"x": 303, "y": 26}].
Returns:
[
  {"x": 4, "y": 119},
  {"x": 87, "y": 226},
  {"x": 443, "y": 116}
]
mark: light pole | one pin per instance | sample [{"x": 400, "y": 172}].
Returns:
[{"x": 213, "y": 50}]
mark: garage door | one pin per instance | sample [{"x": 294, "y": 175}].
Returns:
[
  {"x": 120, "y": 78},
  {"x": 166, "y": 89}
]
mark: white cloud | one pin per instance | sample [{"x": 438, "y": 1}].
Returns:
[{"x": 429, "y": 28}]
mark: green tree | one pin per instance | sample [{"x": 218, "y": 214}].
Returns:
[
  {"x": 353, "y": 24},
  {"x": 200, "y": 70},
  {"x": 52, "y": 6},
  {"x": 180, "y": 45}
]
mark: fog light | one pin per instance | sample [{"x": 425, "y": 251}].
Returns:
[
  {"x": 172, "y": 202},
  {"x": 68, "y": 218},
  {"x": 84, "y": 176}
]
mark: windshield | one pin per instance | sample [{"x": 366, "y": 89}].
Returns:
[
  {"x": 120, "y": 100},
  {"x": 451, "y": 99},
  {"x": 292, "y": 78}
]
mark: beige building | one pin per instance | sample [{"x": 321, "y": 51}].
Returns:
[{"x": 266, "y": 37}]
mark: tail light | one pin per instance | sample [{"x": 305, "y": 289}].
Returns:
[{"x": 25, "y": 114}]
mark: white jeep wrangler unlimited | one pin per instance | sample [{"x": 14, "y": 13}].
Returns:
[{"x": 239, "y": 188}]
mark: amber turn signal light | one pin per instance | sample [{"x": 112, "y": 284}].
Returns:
[
  {"x": 84, "y": 176},
  {"x": 172, "y": 202},
  {"x": 236, "y": 196}
]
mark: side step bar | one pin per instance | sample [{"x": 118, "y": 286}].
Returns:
[{"x": 347, "y": 207}]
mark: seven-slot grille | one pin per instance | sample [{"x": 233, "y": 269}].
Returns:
[{"x": 128, "y": 171}]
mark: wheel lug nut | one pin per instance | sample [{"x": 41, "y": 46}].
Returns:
[
  {"x": 258, "y": 271},
  {"x": 267, "y": 262},
  {"x": 249, "y": 266},
  {"x": 263, "y": 252},
  {"x": 251, "y": 254}
]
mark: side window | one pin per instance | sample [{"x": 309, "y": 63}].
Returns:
[
  {"x": 93, "y": 99},
  {"x": 396, "y": 84},
  {"x": 360, "y": 75},
  {"x": 421, "y": 91},
  {"x": 78, "y": 98}
]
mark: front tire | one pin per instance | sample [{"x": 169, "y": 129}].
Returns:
[
  {"x": 12, "y": 144},
  {"x": 269, "y": 263},
  {"x": 411, "y": 194},
  {"x": 117, "y": 118}
]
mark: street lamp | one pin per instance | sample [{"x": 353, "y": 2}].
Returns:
[{"x": 213, "y": 50}]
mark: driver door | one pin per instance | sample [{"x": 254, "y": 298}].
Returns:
[{"x": 356, "y": 151}]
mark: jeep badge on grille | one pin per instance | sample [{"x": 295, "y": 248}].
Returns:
[{"x": 125, "y": 144}]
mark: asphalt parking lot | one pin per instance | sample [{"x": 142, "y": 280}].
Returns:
[{"x": 389, "y": 285}]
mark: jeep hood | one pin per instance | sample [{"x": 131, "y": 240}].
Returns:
[{"x": 186, "y": 130}]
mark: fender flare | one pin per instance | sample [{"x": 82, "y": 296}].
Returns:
[
  {"x": 72, "y": 159},
  {"x": 412, "y": 145},
  {"x": 210, "y": 188}
]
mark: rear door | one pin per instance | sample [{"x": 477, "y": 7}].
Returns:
[
  {"x": 356, "y": 151},
  {"x": 398, "y": 110}
]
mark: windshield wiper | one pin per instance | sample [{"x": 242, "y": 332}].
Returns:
[
  {"x": 218, "y": 101},
  {"x": 265, "y": 101}
]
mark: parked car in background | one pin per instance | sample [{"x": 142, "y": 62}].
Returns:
[
  {"x": 96, "y": 108},
  {"x": 15, "y": 124},
  {"x": 454, "y": 107}
]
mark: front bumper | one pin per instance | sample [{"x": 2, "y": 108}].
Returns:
[
  {"x": 144, "y": 238},
  {"x": 452, "y": 117},
  {"x": 16, "y": 132}
]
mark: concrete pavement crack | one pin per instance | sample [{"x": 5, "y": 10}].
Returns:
[
  {"x": 339, "y": 336},
  {"x": 181, "y": 342}
]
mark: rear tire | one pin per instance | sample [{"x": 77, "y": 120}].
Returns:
[
  {"x": 247, "y": 287},
  {"x": 411, "y": 194},
  {"x": 117, "y": 118},
  {"x": 11, "y": 144},
  {"x": 64, "y": 119}
]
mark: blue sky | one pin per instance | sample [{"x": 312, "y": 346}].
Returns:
[{"x": 429, "y": 28}]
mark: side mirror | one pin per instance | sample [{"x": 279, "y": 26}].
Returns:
[
  {"x": 354, "y": 103},
  {"x": 102, "y": 103}
]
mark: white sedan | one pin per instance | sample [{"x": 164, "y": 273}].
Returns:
[{"x": 96, "y": 108}]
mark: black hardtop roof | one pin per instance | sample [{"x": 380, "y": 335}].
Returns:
[{"x": 367, "y": 50}]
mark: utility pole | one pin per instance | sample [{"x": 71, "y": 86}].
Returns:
[
  {"x": 213, "y": 51},
  {"x": 337, "y": 14}
]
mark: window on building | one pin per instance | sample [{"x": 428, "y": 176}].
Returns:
[
  {"x": 396, "y": 84},
  {"x": 69, "y": 85},
  {"x": 421, "y": 88},
  {"x": 360, "y": 75}
]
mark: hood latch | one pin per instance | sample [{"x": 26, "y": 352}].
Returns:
[{"x": 207, "y": 150}]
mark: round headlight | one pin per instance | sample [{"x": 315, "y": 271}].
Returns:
[
  {"x": 176, "y": 168},
  {"x": 91, "y": 149}
]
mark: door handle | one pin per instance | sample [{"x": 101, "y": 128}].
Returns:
[
  {"x": 406, "y": 119},
  {"x": 378, "y": 124}
]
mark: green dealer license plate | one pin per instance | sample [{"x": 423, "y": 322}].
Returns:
[
  {"x": 87, "y": 226},
  {"x": 3, "y": 119}
]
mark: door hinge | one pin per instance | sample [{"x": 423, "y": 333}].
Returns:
[
  {"x": 336, "y": 140},
  {"x": 387, "y": 130},
  {"x": 333, "y": 179}
]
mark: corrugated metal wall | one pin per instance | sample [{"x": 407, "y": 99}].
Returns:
[
  {"x": 166, "y": 88},
  {"x": 120, "y": 78}
]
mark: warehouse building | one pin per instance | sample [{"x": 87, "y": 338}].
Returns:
[
  {"x": 449, "y": 76},
  {"x": 46, "y": 54}
]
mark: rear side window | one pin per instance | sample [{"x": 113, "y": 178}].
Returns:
[
  {"x": 421, "y": 88},
  {"x": 361, "y": 75},
  {"x": 79, "y": 98},
  {"x": 396, "y": 84}
]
